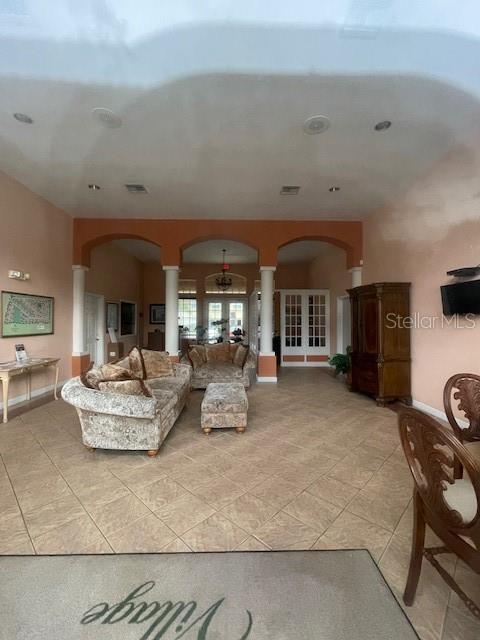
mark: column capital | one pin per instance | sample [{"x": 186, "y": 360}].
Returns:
[
  {"x": 173, "y": 267},
  {"x": 79, "y": 267},
  {"x": 271, "y": 268}
]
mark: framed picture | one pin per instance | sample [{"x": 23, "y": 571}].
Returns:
[
  {"x": 128, "y": 318},
  {"x": 112, "y": 316},
  {"x": 157, "y": 314},
  {"x": 24, "y": 314}
]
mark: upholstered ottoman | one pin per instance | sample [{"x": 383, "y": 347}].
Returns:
[{"x": 224, "y": 406}]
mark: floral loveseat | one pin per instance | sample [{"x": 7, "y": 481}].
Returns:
[
  {"x": 129, "y": 410},
  {"x": 223, "y": 362}
]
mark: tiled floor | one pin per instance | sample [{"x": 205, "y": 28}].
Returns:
[{"x": 317, "y": 468}]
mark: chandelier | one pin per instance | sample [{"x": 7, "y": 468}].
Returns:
[{"x": 224, "y": 281}]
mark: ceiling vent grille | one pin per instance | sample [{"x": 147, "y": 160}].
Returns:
[
  {"x": 136, "y": 188},
  {"x": 289, "y": 190}
]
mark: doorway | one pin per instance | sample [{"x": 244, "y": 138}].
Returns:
[
  {"x": 95, "y": 327},
  {"x": 344, "y": 324},
  {"x": 233, "y": 312}
]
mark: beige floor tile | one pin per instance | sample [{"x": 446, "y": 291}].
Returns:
[
  {"x": 460, "y": 625},
  {"x": 82, "y": 477},
  {"x": 219, "y": 493},
  {"x": 253, "y": 544},
  {"x": 249, "y": 512},
  {"x": 349, "y": 472},
  {"x": 136, "y": 478},
  {"x": 351, "y": 532},
  {"x": 8, "y": 504},
  {"x": 160, "y": 493},
  {"x": 312, "y": 511},
  {"x": 467, "y": 580},
  {"x": 20, "y": 546},
  {"x": 12, "y": 532},
  {"x": 380, "y": 507},
  {"x": 285, "y": 532},
  {"x": 76, "y": 536},
  {"x": 51, "y": 516},
  {"x": 43, "y": 494},
  {"x": 332, "y": 491},
  {"x": 217, "y": 533},
  {"x": 194, "y": 476},
  {"x": 276, "y": 491},
  {"x": 184, "y": 513},
  {"x": 120, "y": 513},
  {"x": 34, "y": 477},
  {"x": 246, "y": 475},
  {"x": 107, "y": 491},
  {"x": 177, "y": 546},
  {"x": 146, "y": 535}
]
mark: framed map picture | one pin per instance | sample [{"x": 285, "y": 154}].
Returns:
[
  {"x": 157, "y": 314},
  {"x": 24, "y": 314}
]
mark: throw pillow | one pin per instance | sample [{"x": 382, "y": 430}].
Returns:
[
  {"x": 157, "y": 364},
  {"x": 202, "y": 352},
  {"x": 137, "y": 366},
  {"x": 233, "y": 349},
  {"x": 218, "y": 352},
  {"x": 91, "y": 377},
  {"x": 133, "y": 387},
  {"x": 240, "y": 356},
  {"x": 112, "y": 371},
  {"x": 195, "y": 358}
]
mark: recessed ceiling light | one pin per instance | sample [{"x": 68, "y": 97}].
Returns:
[
  {"x": 22, "y": 117},
  {"x": 383, "y": 126},
  {"x": 316, "y": 124},
  {"x": 94, "y": 187},
  {"x": 289, "y": 190},
  {"x": 333, "y": 189},
  {"x": 107, "y": 117},
  {"x": 136, "y": 188}
]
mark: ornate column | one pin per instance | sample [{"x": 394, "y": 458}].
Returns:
[
  {"x": 356, "y": 276},
  {"x": 171, "y": 311},
  {"x": 80, "y": 357},
  {"x": 267, "y": 363}
]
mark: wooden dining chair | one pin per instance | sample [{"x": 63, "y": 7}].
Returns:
[{"x": 449, "y": 506}]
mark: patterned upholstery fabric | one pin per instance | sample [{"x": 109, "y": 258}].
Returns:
[
  {"x": 240, "y": 355},
  {"x": 136, "y": 364},
  {"x": 128, "y": 387},
  {"x": 129, "y": 422},
  {"x": 195, "y": 358},
  {"x": 224, "y": 372},
  {"x": 224, "y": 406},
  {"x": 218, "y": 352},
  {"x": 113, "y": 372},
  {"x": 157, "y": 364}
]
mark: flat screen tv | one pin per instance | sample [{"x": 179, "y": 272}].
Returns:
[{"x": 461, "y": 298}]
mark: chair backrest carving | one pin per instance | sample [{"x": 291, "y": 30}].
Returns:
[
  {"x": 430, "y": 450},
  {"x": 464, "y": 388}
]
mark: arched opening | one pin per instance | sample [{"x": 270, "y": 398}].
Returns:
[
  {"x": 311, "y": 306},
  {"x": 223, "y": 274}
]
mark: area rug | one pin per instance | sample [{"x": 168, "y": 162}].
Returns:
[{"x": 282, "y": 595}]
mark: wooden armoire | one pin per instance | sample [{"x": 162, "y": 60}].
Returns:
[{"x": 381, "y": 341}]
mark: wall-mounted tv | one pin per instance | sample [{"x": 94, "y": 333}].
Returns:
[{"x": 461, "y": 298}]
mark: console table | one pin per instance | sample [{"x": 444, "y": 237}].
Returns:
[{"x": 10, "y": 369}]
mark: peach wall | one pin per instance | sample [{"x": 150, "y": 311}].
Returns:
[
  {"x": 435, "y": 228},
  {"x": 329, "y": 271},
  {"x": 117, "y": 275},
  {"x": 36, "y": 237}
]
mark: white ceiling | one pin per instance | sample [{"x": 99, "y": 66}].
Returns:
[
  {"x": 212, "y": 113},
  {"x": 210, "y": 252}
]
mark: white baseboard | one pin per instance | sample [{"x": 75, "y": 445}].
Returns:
[
  {"x": 266, "y": 378},
  {"x": 35, "y": 393},
  {"x": 305, "y": 364},
  {"x": 436, "y": 413}
]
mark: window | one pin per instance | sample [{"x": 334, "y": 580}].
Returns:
[
  {"x": 128, "y": 318},
  {"x": 187, "y": 286},
  {"x": 187, "y": 317},
  {"x": 239, "y": 284}
]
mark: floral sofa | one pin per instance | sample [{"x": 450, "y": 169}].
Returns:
[
  {"x": 128, "y": 412},
  {"x": 223, "y": 362}
]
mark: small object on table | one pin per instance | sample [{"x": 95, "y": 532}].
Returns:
[
  {"x": 224, "y": 406},
  {"x": 11, "y": 369}
]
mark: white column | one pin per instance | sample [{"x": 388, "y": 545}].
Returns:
[
  {"x": 79, "y": 271},
  {"x": 266, "y": 311},
  {"x": 356, "y": 276},
  {"x": 171, "y": 310}
]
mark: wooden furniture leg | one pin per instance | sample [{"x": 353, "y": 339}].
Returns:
[
  {"x": 5, "y": 384},
  {"x": 206, "y": 430},
  {"x": 55, "y": 384},
  {"x": 418, "y": 541},
  {"x": 152, "y": 453}
]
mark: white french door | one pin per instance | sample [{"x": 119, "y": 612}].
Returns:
[
  {"x": 305, "y": 326},
  {"x": 233, "y": 311},
  {"x": 95, "y": 327}
]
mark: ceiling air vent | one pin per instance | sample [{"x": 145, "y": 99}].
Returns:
[
  {"x": 289, "y": 190},
  {"x": 136, "y": 188}
]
